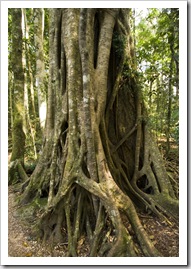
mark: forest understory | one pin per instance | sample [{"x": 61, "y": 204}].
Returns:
[{"x": 165, "y": 236}]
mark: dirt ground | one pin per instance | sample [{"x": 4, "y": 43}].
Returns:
[{"x": 21, "y": 244}]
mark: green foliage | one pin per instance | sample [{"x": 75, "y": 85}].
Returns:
[
  {"x": 119, "y": 42},
  {"x": 157, "y": 43},
  {"x": 175, "y": 124}
]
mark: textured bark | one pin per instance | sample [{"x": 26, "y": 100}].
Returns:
[
  {"x": 29, "y": 123},
  {"x": 18, "y": 113},
  {"x": 18, "y": 136},
  {"x": 99, "y": 157}
]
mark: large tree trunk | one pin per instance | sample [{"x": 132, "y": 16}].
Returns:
[{"x": 99, "y": 157}]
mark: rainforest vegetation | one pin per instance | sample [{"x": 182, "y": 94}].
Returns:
[{"x": 94, "y": 127}]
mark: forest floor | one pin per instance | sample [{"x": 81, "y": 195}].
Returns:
[
  {"x": 165, "y": 236},
  {"x": 21, "y": 244}
]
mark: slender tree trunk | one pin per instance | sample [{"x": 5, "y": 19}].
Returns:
[
  {"x": 29, "y": 125},
  {"x": 99, "y": 157},
  {"x": 170, "y": 96},
  {"x": 170, "y": 84},
  {"x": 40, "y": 69}
]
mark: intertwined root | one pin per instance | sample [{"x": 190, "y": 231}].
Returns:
[{"x": 98, "y": 151}]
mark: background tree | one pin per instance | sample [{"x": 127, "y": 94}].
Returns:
[
  {"x": 40, "y": 66},
  {"x": 99, "y": 160},
  {"x": 29, "y": 101},
  {"x": 17, "y": 88}
]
